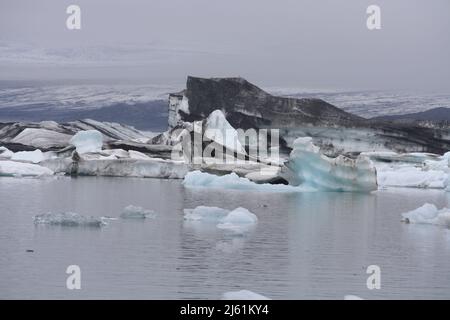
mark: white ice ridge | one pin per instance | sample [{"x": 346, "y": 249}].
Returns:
[
  {"x": 218, "y": 129},
  {"x": 308, "y": 167},
  {"x": 12, "y": 168},
  {"x": 68, "y": 219},
  {"x": 198, "y": 179},
  {"x": 428, "y": 214},
  {"x": 243, "y": 295},
  {"x": 135, "y": 212},
  {"x": 238, "y": 220},
  {"x": 87, "y": 141},
  {"x": 412, "y": 170}
]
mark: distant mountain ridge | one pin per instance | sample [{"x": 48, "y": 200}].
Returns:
[{"x": 435, "y": 114}]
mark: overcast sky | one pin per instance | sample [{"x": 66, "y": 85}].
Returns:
[{"x": 293, "y": 43}]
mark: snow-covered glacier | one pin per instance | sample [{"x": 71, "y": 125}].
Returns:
[{"x": 308, "y": 167}]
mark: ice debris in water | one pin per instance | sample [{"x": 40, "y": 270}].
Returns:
[
  {"x": 428, "y": 214},
  {"x": 352, "y": 297},
  {"x": 238, "y": 220},
  {"x": 135, "y": 212},
  {"x": 309, "y": 167},
  {"x": 68, "y": 219},
  {"x": 87, "y": 141},
  {"x": 198, "y": 179},
  {"x": 243, "y": 295}
]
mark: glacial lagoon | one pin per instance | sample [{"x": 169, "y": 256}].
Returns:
[{"x": 310, "y": 245}]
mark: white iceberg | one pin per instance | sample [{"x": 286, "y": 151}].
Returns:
[
  {"x": 218, "y": 129},
  {"x": 408, "y": 176},
  {"x": 243, "y": 295},
  {"x": 135, "y": 212},
  {"x": 428, "y": 214},
  {"x": 13, "y": 168},
  {"x": 35, "y": 156},
  {"x": 5, "y": 153},
  {"x": 308, "y": 167},
  {"x": 411, "y": 170},
  {"x": 87, "y": 141},
  {"x": 238, "y": 220},
  {"x": 198, "y": 179},
  {"x": 68, "y": 219}
]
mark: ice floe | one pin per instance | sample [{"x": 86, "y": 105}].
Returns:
[
  {"x": 68, "y": 219},
  {"x": 308, "y": 167},
  {"x": 218, "y": 129},
  {"x": 238, "y": 220},
  {"x": 87, "y": 141},
  {"x": 198, "y": 179},
  {"x": 412, "y": 170},
  {"x": 428, "y": 214},
  {"x": 13, "y": 168},
  {"x": 243, "y": 295},
  {"x": 352, "y": 297},
  {"x": 136, "y": 212}
]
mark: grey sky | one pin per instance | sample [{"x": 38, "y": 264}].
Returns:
[{"x": 296, "y": 43}]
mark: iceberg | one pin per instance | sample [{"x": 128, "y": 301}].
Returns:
[
  {"x": 12, "y": 168},
  {"x": 87, "y": 141},
  {"x": 352, "y": 297},
  {"x": 135, "y": 212},
  {"x": 68, "y": 219},
  {"x": 5, "y": 153},
  {"x": 308, "y": 167},
  {"x": 151, "y": 168},
  {"x": 411, "y": 177},
  {"x": 428, "y": 214},
  {"x": 243, "y": 295},
  {"x": 198, "y": 179},
  {"x": 238, "y": 220},
  {"x": 35, "y": 156}
]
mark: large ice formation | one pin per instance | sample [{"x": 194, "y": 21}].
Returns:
[
  {"x": 308, "y": 167},
  {"x": 198, "y": 179}
]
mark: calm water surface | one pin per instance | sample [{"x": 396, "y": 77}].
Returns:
[{"x": 305, "y": 245}]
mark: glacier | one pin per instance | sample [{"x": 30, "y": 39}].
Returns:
[
  {"x": 428, "y": 214},
  {"x": 308, "y": 167},
  {"x": 68, "y": 219},
  {"x": 239, "y": 220}
]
